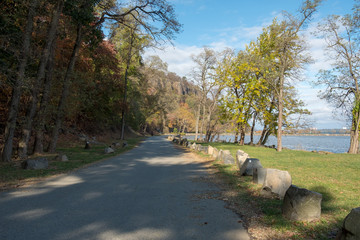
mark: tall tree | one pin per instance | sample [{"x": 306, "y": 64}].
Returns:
[
  {"x": 81, "y": 12},
  {"x": 18, "y": 82},
  {"x": 342, "y": 81},
  {"x": 51, "y": 36},
  {"x": 290, "y": 53},
  {"x": 203, "y": 76}
]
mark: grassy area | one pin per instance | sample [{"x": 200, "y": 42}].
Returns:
[
  {"x": 335, "y": 176},
  {"x": 12, "y": 175}
]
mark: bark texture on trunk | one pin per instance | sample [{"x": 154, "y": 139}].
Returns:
[
  {"x": 6, "y": 153},
  {"x": 197, "y": 122},
  {"x": 280, "y": 117},
  {"x": 26, "y": 132},
  {"x": 354, "y": 133},
  {"x": 65, "y": 91},
  {"x": 41, "y": 115}
]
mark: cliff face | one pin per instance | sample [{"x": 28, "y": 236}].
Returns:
[{"x": 170, "y": 82}]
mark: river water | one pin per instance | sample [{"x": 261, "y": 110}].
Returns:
[{"x": 335, "y": 144}]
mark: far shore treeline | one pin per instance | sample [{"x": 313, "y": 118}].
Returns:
[{"x": 60, "y": 75}]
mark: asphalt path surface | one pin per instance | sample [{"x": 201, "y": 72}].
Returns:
[{"x": 150, "y": 192}]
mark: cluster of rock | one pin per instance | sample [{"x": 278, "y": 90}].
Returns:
[
  {"x": 43, "y": 162},
  {"x": 111, "y": 148},
  {"x": 299, "y": 204}
]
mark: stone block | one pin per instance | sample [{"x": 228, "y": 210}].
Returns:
[
  {"x": 247, "y": 168},
  {"x": 301, "y": 204},
  {"x": 64, "y": 158},
  {"x": 259, "y": 175},
  {"x": 241, "y": 157},
  {"x": 219, "y": 156},
  {"x": 35, "y": 163},
  {"x": 210, "y": 150},
  {"x": 203, "y": 149},
  {"x": 215, "y": 153},
  {"x": 276, "y": 182},
  {"x": 109, "y": 150},
  {"x": 351, "y": 228},
  {"x": 227, "y": 158}
]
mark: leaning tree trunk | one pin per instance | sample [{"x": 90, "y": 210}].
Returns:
[
  {"x": 26, "y": 132},
  {"x": 41, "y": 115},
  {"x": 16, "y": 93},
  {"x": 65, "y": 92}
]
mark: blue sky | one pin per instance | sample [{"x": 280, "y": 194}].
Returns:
[{"x": 234, "y": 23}]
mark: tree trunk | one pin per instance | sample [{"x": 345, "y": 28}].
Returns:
[
  {"x": 122, "y": 137},
  {"x": 123, "y": 113},
  {"x": 280, "y": 117},
  {"x": 202, "y": 123},
  {"x": 16, "y": 92},
  {"x": 65, "y": 92},
  {"x": 26, "y": 132},
  {"x": 253, "y": 129},
  {"x": 263, "y": 132},
  {"x": 41, "y": 115},
  {"x": 197, "y": 122},
  {"x": 242, "y": 135},
  {"x": 266, "y": 137},
  {"x": 237, "y": 133},
  {"x": 354, "y": 133}
]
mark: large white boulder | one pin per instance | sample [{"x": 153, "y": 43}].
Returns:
[{"x": 276, "y": 182}]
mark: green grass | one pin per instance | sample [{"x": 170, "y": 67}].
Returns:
[
  {"x": 335, "y": 176},
  {"x": 12, "y": 175}
]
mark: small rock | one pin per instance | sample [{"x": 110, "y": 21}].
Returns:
[
  {"x": 109, "y": 150},
  {"x": 64, "y": 158},
  {"x": 36, "y": 163}
]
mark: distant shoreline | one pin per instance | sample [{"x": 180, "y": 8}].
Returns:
[{"x": 317, "y": 135}]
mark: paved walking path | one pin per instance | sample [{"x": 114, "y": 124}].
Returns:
[{"x": 147, "y": 193}]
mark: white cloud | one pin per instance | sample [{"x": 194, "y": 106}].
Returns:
[{"x": 178, "y": 57}]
